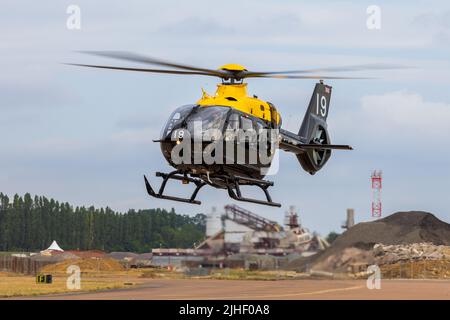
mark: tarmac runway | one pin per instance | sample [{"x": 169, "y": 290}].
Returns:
[{"x": 271, "y": 290}]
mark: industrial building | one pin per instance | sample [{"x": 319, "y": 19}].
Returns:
[{"x": 236, "y": 236}]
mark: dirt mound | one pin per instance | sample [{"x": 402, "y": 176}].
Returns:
[
  {"x": 398, "y": 228},
  {"x": 86, "y": 265},
  {"x": 122, "y": 255},
  {"x": 54, "y": 258},
  {"x": 341, "y": 262},
  {"x": 87, "y": 254},
  {"x": 7, "y": 274}
]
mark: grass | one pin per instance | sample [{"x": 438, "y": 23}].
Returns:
[
  {"x": 13, "y": 285},
  {"x": 8, "y": 253},
  {"x": 240, "y": 274},
  {"x": 224, "y": 274},
  {"x": 161, "y": 273}
]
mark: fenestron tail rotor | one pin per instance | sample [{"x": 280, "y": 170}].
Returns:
[{"x": 227, "y": 73}]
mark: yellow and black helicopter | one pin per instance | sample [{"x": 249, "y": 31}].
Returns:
[{"x": 229, "y": 111}]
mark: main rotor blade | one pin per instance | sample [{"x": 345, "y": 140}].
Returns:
[
  {"x": 361, "y": 67},
  {"x": 142, "y": 69},
  {"x": 165, "y": 71},
  {"x": 282, "y": 76},
  {"x": 129, "y": 56}
]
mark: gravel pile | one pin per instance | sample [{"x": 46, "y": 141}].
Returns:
[
  {"x": 417, "y": 251},
  {"x": 400, "y": 228}
]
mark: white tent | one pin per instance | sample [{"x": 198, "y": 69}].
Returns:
[{"x": 54, "y": 247}]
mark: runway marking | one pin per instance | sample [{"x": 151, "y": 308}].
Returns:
[{"x": 237, "y": 296}]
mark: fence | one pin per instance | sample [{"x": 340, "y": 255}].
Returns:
[{"x": 21, "y": 265}]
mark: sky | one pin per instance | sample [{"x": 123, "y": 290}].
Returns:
[{"x": 85, "y": 136}]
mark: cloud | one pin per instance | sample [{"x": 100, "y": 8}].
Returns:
[
  {"x": 437, "y": 24},
  {"x": 433, "y": 20},
  {"x": 142, "y": 136},
  {"x": 406, "y": 114},
  {"x": 136, "y": 121},
  {"x": 35, "y": 95},
  {"x": 197, "y": 26},
  {"x": 398, "y": 124},
  {"x": 95, "y": 152}
]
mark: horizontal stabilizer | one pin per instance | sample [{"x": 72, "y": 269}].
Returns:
[
  {"x": 299, "y": 148},
  {"x": 292, "y": 142},
  {"x": 325, "y": 146}
]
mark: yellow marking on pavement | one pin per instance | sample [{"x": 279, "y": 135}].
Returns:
[{"x": 251, "y": 296}]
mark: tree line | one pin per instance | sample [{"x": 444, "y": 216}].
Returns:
[{"x": 30, "y": 224}]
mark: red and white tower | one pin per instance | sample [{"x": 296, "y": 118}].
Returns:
[{"x": 376, "y": 193}]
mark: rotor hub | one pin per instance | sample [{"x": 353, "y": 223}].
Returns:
[{"x": 233, "y": 67}]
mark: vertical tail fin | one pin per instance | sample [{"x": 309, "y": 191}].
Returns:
[
  {"x": 317, "y": 112},
  {"x": 314, "y": 129}
]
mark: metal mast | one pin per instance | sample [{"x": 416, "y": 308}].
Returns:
[{"x": 376, "y": 178}]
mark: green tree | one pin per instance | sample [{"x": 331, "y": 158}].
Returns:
[
  {"x": 331, "y": 237},
  {"x": 31, "y": 224}
]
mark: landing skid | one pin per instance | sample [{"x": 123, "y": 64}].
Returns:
[
  {"x": 176, "y": 175},
  {"x": 234, "y": 190},
  {"x": 233, "y": 184}
]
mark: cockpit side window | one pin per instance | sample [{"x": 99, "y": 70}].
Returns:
[
  {"x": 207, "y": 122},
  {"x": 175, "y": 119},
  {"x": 176, "y": 116},
  {"x": 259, "y": 127},
  {"x": 208, "y": 117},
  {"x": 233, "y": 122},
  {"x": 247, "y": 124}
]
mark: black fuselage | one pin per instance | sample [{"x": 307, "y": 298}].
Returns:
[{"x": 224, "y": 125}]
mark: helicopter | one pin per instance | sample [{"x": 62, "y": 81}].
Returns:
[{"x": 231, "y": 114}]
